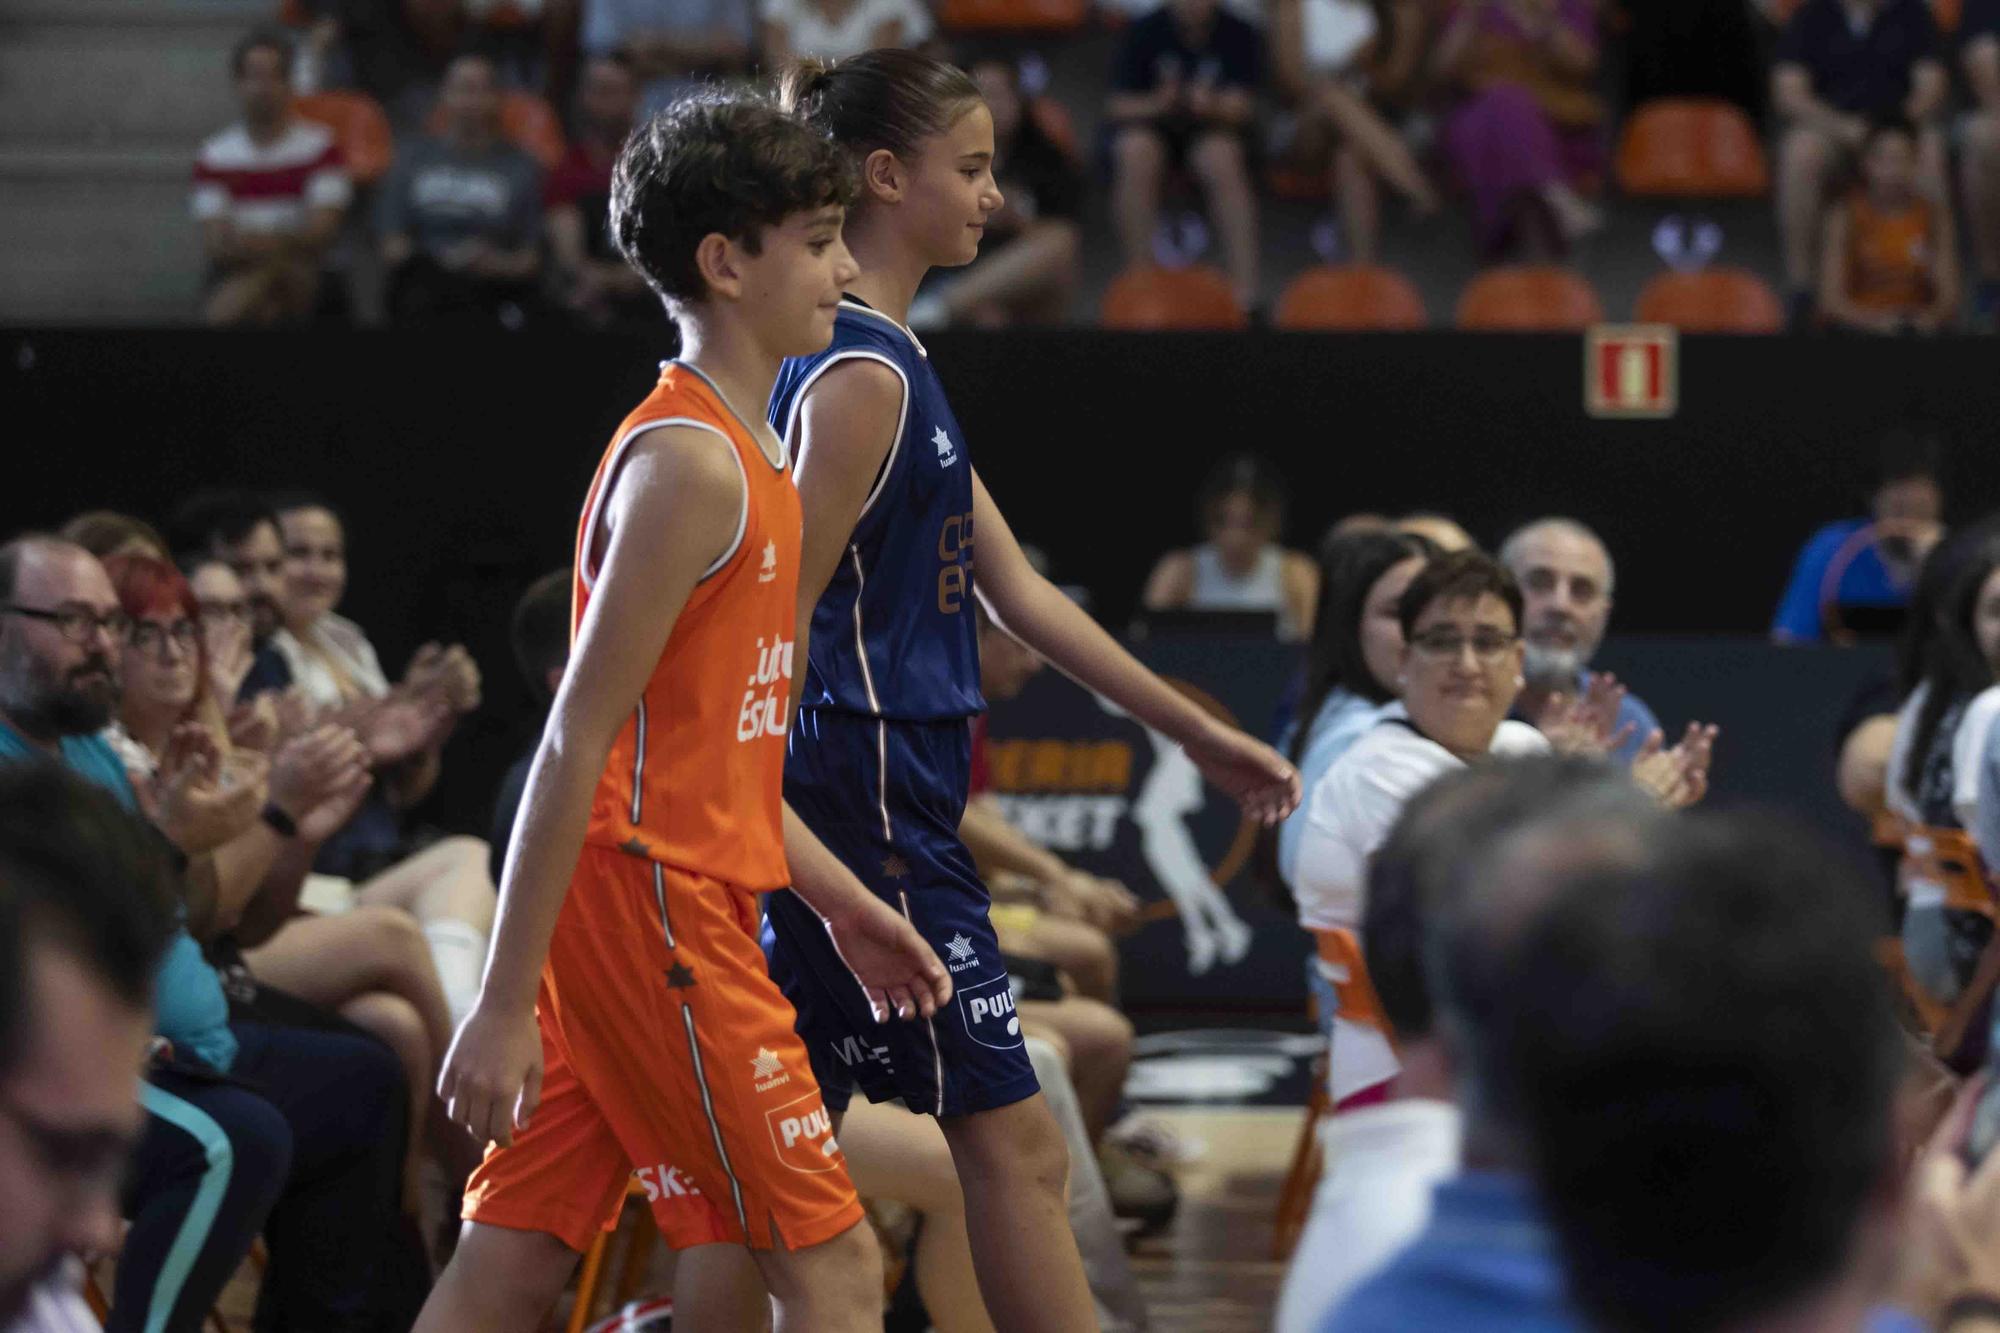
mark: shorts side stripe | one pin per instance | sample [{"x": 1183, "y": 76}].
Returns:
[
  {"x": 714, "y": 1128},
  {"x": 937, "y": 1056},
  {"x": 660, "y": 897}
]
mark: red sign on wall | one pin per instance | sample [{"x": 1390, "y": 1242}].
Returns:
[{"x": 1631, "y": 370}]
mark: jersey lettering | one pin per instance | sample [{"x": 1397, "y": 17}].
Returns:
[
  {"x": 955, "y": 549},
  {"x": 765, "y": 715}
]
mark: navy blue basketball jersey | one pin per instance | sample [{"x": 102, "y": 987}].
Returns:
[{"x": 895, "y": 636}]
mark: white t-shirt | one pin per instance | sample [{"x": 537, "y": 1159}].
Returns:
[
  {"x": 1334, "y": 33},
  {"x": 1350, "y": 811},
  {"x": 1975, "y": 770},
  {"x": 1375, "y": 1196},
  {"x": 814, "y": 34},
  {"x": 332, "y": 663}
]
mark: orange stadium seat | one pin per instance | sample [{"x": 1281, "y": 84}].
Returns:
[
  {"x": 360, "y": 128},
  {"x": 1528, "y": 298},
  {"x": 1014, "y": 15},
  {"x": 529, "y": 123},
  {"x": 1716, "y": 300},
  {"x": 1052, "y": 118},
  {"x": 1692, "y": 147},
  {"x": 1350, "y": 296},
  {"x": 1197, "y": 297}
]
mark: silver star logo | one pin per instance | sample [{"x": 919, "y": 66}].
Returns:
[
  {"x": 766, "y": 1064},
  {"x": 960, "y": 949}
]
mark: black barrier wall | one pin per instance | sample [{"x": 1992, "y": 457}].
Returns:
[
  {"x": 1099, "y": 790},
  {"x": 460, "y": 462}
]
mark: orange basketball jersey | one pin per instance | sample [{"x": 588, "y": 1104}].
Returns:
[
  {"x": 1889, "y": 255},
  {"x": 695, "y": 779}
]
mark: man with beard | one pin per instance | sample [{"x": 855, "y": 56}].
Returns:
[
  {"x": 1566, "y": 579},
  {"x": 240, "y": 530},
  {"x": 83, "y": 916},
  {"x": 250, "y": 1127}
]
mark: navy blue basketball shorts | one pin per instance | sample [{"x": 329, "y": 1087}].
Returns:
[{"x": 886, "y": 797}]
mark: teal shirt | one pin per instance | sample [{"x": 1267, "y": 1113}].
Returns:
[{"x": 189, "y": 1008}]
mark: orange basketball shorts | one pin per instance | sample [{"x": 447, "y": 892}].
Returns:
[{"x": 669, "y": 1060}]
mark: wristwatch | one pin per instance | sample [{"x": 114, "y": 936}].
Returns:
[{"x": 281, "y": 823}]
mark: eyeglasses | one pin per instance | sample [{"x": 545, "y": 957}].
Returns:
[
  {"x": 222, "y": 613},
  {"x": 76, "y": 623},
  {"x": 1446, "y": 645},
  {"x": 150, "y": 636},
  {"x": 81, "y": 1162}
]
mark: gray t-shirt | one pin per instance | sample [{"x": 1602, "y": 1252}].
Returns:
[{"x": 440, "y": 196}]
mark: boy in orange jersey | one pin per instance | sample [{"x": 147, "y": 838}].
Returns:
[
  {"x": 1891, "y": 262},
  {"x": 626, "y": 1021}
]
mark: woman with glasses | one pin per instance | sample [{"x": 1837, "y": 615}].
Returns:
[
  {"x": 1457, "y": 676},
  {"x": 370, "y": 965}
]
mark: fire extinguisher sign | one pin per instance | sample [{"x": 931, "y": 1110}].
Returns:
[{"x": 1631, "y": 370}]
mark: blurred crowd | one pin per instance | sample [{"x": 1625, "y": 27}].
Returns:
[
  {"x": 432, "y": 160},
  {"x": 1594, "y": 1057}
]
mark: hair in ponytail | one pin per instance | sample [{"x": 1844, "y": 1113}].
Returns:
[{"x": 886, "y": 98}]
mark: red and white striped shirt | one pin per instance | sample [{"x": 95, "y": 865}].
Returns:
[{"x": 270, "y": 187}]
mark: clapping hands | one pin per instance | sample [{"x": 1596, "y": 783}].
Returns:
[
  {"x": 1586, "y": 724},
  {"x": 1676, "y": 778},
  {"x": 201, "y": 799}
]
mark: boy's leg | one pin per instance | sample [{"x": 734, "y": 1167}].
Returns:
[
  {"x": 1013, "y": 1167},
  {"x": 687, "y": 1049},
  {"x": 498, "y": 1281},
  {"x": 835, "y": 1285},
  {"x": 721, "y": 1287},
  {"x": 531, "y": 1208}
]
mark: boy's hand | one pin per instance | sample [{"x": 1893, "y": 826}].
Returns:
[
  {"x": 1260, "y": 779},
  {"x": 492, "y": 1078},
  {"x": 899, "y": 972}
]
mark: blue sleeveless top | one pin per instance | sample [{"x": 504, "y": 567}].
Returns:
[{"x": 895, "y": 635}]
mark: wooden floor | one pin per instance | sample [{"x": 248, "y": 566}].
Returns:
[{"x": 1212, "y": 1272}]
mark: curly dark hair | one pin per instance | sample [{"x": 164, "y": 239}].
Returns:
[{"x": 731, "y": 163}]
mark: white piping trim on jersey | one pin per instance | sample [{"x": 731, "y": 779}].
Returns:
[
  {"x": 660, "y": 896},
  {"x": 860, "y": 643},
  {"x": 902, "y": 415},
  {"x": 638, "y": 756},
  {"x": 750, "y": 427},
  {"x": 587, "y": 569},
  {"x": 937, "y": 1056},
  {"x": 857, "y": 308},
  {"x": 882, "y": 775},
  {"x": 715, "y": 1128}
]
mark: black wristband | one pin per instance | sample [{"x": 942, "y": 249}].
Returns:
[
  {"x": 281, "y": 823},
  {"x": 1971, "y": 1305}
]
